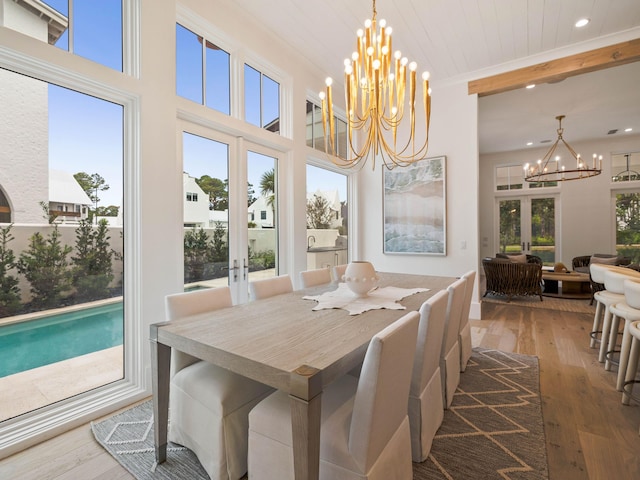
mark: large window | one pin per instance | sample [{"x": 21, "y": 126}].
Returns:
[
  {"x": 64, "y": 152},
  {"x": 75, "y": 26},
  {"x": 202, "y": 71},
  {"x": 261, "y": 100},
  {"x": 315, "y": 132},
  {"x": 327, "y": 218}
]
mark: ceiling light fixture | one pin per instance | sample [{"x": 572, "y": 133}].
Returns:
[
  {"x": 375, "y": 92},
  {"x": 542, "y": 171},
  {"x": 531, "y": 86},
  {"x": 582, "y": 22},
  {"x": 628, "y": 129}
]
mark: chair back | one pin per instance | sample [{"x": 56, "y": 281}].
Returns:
[
  {"x": 455, "y": 306},
  {"x": 337, "y": 272},
  {"x": 632, "y": 292},
  {"x": 268, "y": 287},
  {"x": 380, "y": 404},
  {"x": 184, "y": 304},
  {"x": 429, "y": 345},
  {"x": 311, "y": 278},
  {"x": 614, "y": 279},
  {"x": 470, "y": 278}
]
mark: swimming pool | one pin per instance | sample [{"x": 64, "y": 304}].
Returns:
[{"x": 58, "y": 337}]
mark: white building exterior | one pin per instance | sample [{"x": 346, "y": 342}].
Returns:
[
  {"x": 261, "y": 213},
  {"x": 24, "y": 129},
  {"x": 196, "y": 203},
  {"x": 67, "y": 200}
]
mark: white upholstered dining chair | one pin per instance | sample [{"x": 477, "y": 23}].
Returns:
[
  {"x": 268, "y": 287},
  {"x": 450, "y": 354},
  {"x": 426, "y": 409},
  {"x": 464, "y": 338},
  {"x": 208, "y": 405},
  {"x": 364, "y": 431},
  {"x": 337, "y": 272},
  {"x": 311, "y": 278}
]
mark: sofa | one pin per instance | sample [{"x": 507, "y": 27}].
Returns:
[{"x": 513, "y": 278}]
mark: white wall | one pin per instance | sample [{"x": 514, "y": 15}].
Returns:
[
  {"x": 453, "y": 133},
  {"x": 587, "y": 207}
]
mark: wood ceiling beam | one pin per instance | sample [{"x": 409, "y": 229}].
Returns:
[{"x": 559, "y": 69}]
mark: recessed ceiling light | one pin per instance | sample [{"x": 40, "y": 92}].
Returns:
[
  {"x": 531, "y": 85},
  {"x": 529, "y": 144},
  {"x": 582, "y": 22},
  {"x": 628, "y": 129}
]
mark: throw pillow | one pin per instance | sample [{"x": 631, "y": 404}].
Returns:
[
  {"x": 604, "y": 260},
  {"x": 518, "y": 258}
]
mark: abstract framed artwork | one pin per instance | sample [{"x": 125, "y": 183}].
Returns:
[{"x": 415, "y": 208}]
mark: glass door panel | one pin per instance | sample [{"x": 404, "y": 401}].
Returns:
[
  {"x": 262, "y": 225},
  {"x": 543, "y": 229},
  {"x": 206, "y": 212},
  {"x": 528, "y": 225},
  {"x": 510, "y": 226}
]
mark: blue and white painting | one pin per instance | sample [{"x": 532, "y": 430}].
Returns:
[{"x": 415, "y": 208}]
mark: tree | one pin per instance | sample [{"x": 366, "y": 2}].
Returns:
[
  {"x": 93, "y": 269},
  {"x": 110, "y": 211},
  {"x": 9, "y": 291},
  {"x": 44, "y": 265},
  {"x": 319, "y": 215},
  {"x": 196, "y": 252},
  {"x": 217, "y": 190},
  {"x": 268, "y": 187},
  {"x": 92, "y": 184}
]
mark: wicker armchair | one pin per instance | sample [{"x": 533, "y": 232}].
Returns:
[
  {"x": 530, "y": 258},
  {"x": 505, "y": 277}
]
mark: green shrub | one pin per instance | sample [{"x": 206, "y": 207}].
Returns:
[
  {"x": 92, "y": 265},
  {"x": 44, "y": 265},
  {"x": 9, "y": 291}
]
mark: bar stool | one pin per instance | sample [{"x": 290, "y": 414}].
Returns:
[
  {"x": 614, "y": 284},
  {"x": 632, "y": 366},
  {"x": 630, "y": 311},
  {"x": 603, "y": 300}
]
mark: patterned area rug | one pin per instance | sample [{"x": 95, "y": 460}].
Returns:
[{"x": 493, "y": 430}]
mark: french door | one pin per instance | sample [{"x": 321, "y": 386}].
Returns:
[
  {"x": 230, "y": 197},
  {"x": 528, "y": 224}
]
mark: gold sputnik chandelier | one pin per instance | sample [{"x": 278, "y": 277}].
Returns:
[
  {"x": 375, "y": 93},
  {"x": 545, "y": 171}
]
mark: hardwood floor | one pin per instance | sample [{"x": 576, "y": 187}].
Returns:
[{"x": 590, "y": 434}]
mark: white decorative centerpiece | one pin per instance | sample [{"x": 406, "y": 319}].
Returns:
[{"x": 360, "y": 277}]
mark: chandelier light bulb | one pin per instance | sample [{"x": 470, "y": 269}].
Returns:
[
  {"x": 388, "y": 31},
  {"x": 404, "y": 61},
  {"x": 355, "y": 56},
  {"x": 383, "y": 23},
  {"x": 413, "y": 66},
  {"x": 321, "y": 95},
  {"x": 348, "y": 69},
  {"x": 367, "y": 23},
  {"x": 397, "y": 55},
  {"x": 370, "y": 51},
  {"x": 376, "y": 64},
  {"x": 328, "y": 81},
  {"x": 425, "y": 76},
  {"x": 347, "y": 62},
  {"x": 360, "y": 33},
  {"x": 385, "y": 50}
]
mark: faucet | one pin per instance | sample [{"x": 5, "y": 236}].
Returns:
[{"x": 309, "y": 244}]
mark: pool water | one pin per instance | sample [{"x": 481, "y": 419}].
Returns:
[{"x": 35, "y": 343}]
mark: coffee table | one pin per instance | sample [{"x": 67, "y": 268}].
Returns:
[{"x": 566, "y": 285}]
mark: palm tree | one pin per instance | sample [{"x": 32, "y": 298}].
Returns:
[{"x": 268, "y": 189}]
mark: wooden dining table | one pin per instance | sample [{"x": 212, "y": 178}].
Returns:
[{"x": 281, "y": 342}]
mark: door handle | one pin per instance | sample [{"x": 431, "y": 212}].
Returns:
[
  {"x": 523, "y": 246},
  {"x": 528, "y": 246},
  {"x": 235, "y": 269},
  {"x": 245, "y": 269}
]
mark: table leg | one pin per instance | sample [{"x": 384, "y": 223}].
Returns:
[
  {"x": 306, "y": 397},
  {"x": 160, "y": 373}
]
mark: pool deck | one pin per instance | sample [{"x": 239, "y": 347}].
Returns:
[{"x": 26, "y": 391}]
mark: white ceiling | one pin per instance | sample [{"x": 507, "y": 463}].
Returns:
[{"x": 465, "y": 39}]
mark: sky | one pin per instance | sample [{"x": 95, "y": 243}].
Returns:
[{"x": 85, "y": 133}]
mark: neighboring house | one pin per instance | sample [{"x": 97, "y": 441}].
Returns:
[
  {"x": 261, "y": 213},
  {"x": 333, "y": 199},
  {"x": 219, "y": 216},
  {"x": 24, "y": 167},
  {"x": 68, "y": 202},
  {"x": 196, "y": 203}
]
